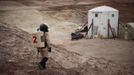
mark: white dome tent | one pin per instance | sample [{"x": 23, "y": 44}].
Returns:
[{"x": 103, "y": 22}]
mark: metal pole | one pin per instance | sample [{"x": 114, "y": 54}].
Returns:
[
  {"x": 118, "y": 28},
  {"x": 92, "y": 28},
  {"x": 108, "y": 29}
]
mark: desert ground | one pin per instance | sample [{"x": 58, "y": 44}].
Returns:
[
  {"x": 61, "y": 23},
  {"x": 61, "y": 26}
]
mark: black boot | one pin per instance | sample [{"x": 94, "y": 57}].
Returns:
[{"x": 42, "y": 63}]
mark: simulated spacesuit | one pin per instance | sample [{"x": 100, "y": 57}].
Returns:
[{"x": 46, "y": 48}]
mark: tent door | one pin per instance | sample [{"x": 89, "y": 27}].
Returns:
[
  {"x": 103, "y": 25},
  {"x": 95, "y": 31},
  {"x": 98, "y": 21}
]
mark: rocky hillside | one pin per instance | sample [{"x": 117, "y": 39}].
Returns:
[
  {"x": 18, "y": 57},
  {"x": 16, "y": 51},
  {"x": 27, "y": 20},
  {"x": 124, "y": 6}
]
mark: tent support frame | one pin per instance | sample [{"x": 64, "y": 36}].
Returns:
[
  {"x": 110, "y": 29},
  {"x": 91, "y": 25}
]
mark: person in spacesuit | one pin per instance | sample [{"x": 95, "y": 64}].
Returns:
[{"x": 47, "y": 48}]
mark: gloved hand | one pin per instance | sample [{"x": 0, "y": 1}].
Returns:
[{"x": 49, "y": 49}]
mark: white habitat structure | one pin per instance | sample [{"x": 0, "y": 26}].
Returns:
[{"x": 103, "y": 22}]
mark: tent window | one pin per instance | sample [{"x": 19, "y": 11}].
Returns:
[
  {"x": 96, "y": 15},
  {"x": 112, "y": 15}
]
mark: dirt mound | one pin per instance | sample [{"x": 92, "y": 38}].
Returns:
[{"x": 16, "y": 51}]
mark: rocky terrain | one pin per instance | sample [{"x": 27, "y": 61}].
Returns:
[
  {"x": 124, "y": 6},
  {"x": 16, "y": 52},
  {"x": 19, "y": 18},
  {"x": 18, "y": 57}
]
